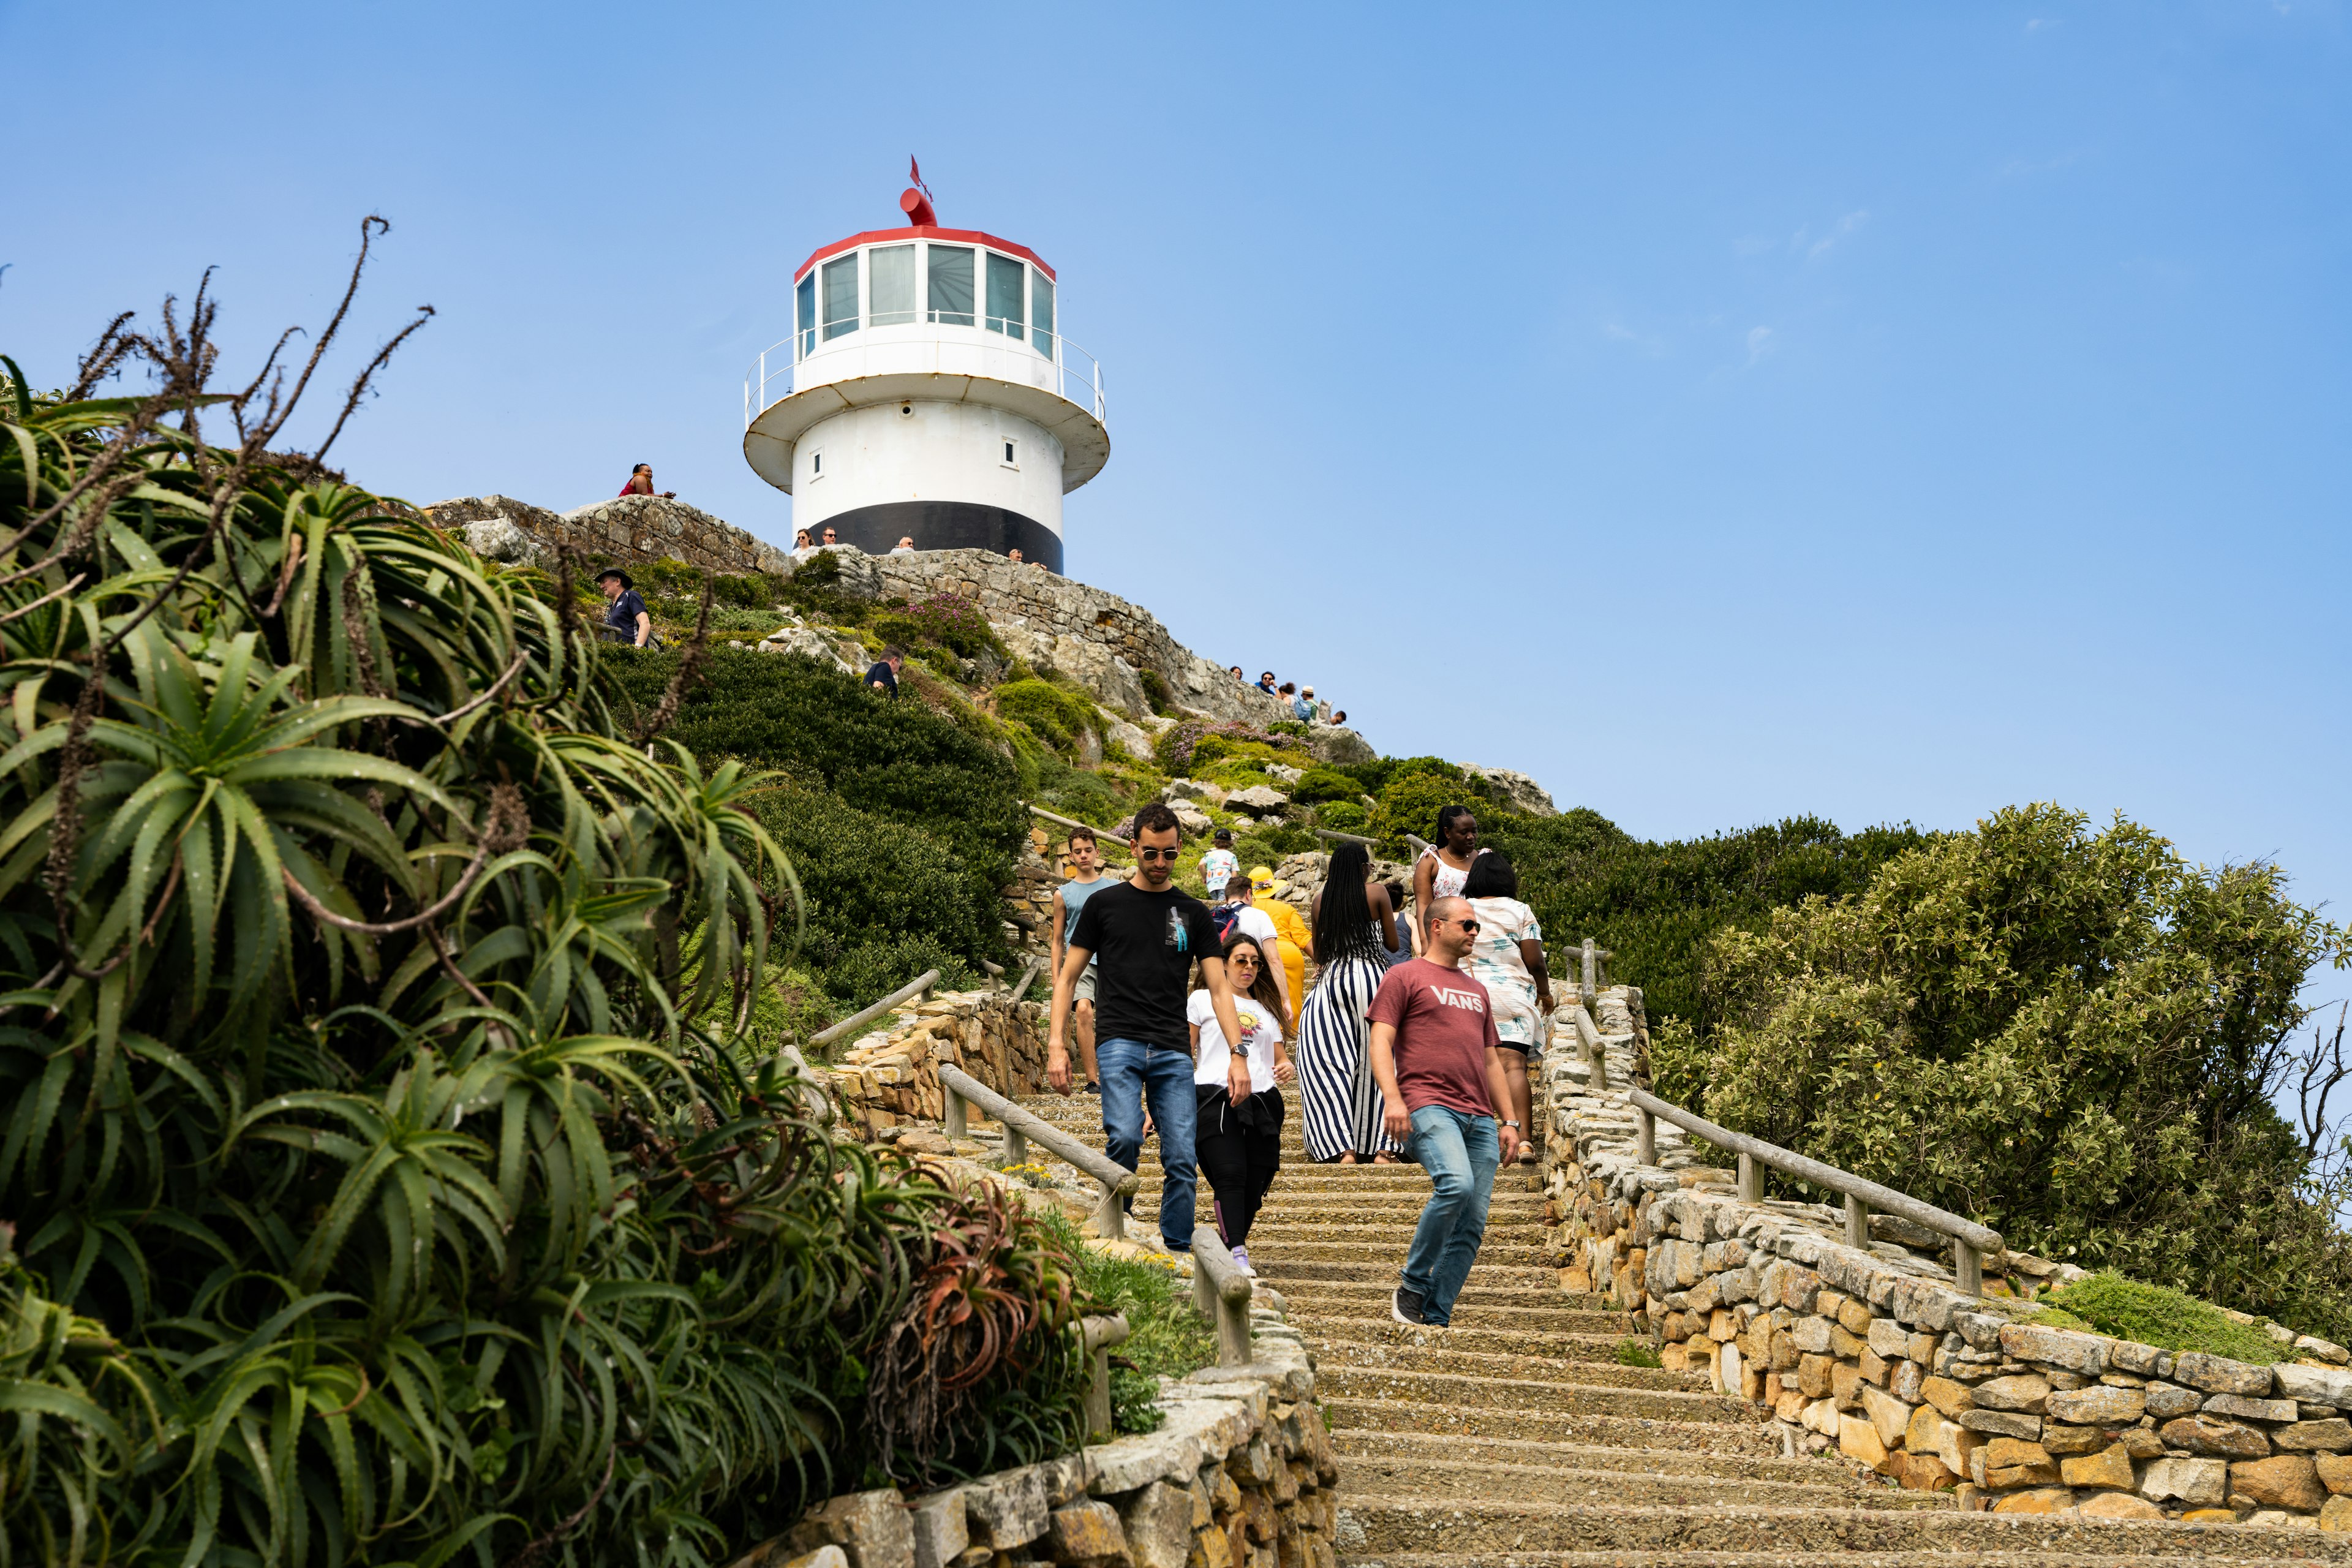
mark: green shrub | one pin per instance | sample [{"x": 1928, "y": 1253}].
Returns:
[
  {"x": 2166, "y": 1319},
  {"x": 1322, "y": 782},
  {"x": 885, "y": 901},
  {"x": 814, "y": 589},
  {"x": 1197, "y": 742},
  {"x": 947, "y": 621},
  {"x": 1343, "y": 816},
  {"x": 1053, "y": 715},
  {"x": 1294, "y": 726},
  {"x": 2070, "y": 1035},
  {"x": 897, "y": 760},
  {"x": 1167, "y": 1336},
  {"x": 1654, "y": 905},
  {"x": 1156, "y": 692},
  {"x": 1632, "y": 1352},
  {"x": 1376, "y": 775},
  {"x": 1410, "y": 801},
  {"x": 373, "y": 1195}
]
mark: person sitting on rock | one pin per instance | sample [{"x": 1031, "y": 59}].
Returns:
[
  {"x": 1266, "y": 683},
  {"x": 1013, "y": 555},
  {"x": 1305, "y": 707},
  {"x": 626, "y": 618},
  {"x": 830, "y": 537},
  {"x": 906, "y": 545},
  {"x": 641, "y": 483}
]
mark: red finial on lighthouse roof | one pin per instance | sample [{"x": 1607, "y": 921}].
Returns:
[{"x": 917, "y": 202}]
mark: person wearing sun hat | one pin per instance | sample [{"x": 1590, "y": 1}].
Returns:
[
  {"x": 626, "y": 619},
  {"x": 1294, "y": 942}
]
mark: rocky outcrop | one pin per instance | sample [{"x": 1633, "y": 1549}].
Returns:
[
  {"x": 624, "y": 529},
  {"x": 1517, "y": 788}
]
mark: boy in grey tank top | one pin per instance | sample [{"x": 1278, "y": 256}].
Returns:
[{"x": 1084, "y": 859}]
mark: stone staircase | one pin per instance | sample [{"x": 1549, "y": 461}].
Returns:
[{"x": 1515, "y": 1437}]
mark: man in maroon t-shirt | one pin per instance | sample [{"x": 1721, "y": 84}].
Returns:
[{"x": 1440, "y": 1068}]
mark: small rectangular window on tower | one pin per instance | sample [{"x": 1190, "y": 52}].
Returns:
[
  {"x": 1012, "y": 454},
  {"x": 841, "y": 295},
  {"x": 816, "y": 464},
  {"x": 890, "y": 285}
]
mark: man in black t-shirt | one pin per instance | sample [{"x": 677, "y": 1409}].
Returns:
[
  {"x": 625, "y": 620},
  {"x": 883, "y": 676},
  {"x": 1144, "y": 935}
]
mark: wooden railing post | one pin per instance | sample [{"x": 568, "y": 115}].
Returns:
[
  {"x": 1967, "y": 1268},
  {"x": 951, "y": 1105},
  {"x": 1222, "y": 1293},
  {"x": 1857, "y": 1223},
  {"x": 1588, "y": 986},
  {"x": 1645, "y": 1137},
  {"x": 1751, "y": 1180},
  {"x": 1095, "y": 1336}
]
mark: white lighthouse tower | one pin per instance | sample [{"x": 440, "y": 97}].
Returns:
[{"x": 925, "y": 392}]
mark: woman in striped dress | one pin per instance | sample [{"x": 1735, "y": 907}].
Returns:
[{"x": 1355, "y": 929}]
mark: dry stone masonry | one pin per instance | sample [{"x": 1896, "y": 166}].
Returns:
[
  {"x": 890, "y": 1080},
  {"x": 1239, "y": 1477},
  {"x": 626, "y": 530},
  {"x": 1874, "y": 1353}
]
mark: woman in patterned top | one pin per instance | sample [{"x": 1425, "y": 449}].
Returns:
[{"x": 1507, "y": 958}]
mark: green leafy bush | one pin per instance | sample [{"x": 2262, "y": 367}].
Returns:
[
  {"x": 1410, "y": 803},
  {"x": 1196, "y": 742},
  {"x": 1056, "y": 716},
  {"x": 1292, "y": 727},
  {"x": 2154, "y": 1315},
  {"x": 1166, "y": 1335},
  {"x": 1343, "y": 816},
  {"x": 1155, "y": 691},
  {"x": 814, "y": 589},
  {"x": 948, "y": 621},
  {"x": 1632, "y": 1352},
  {"x": 376, "y": 1195},
  {"x": 900, "y": 761},
  {"x": 2072, "y": 1036},
  {"x": 1323, "y": 783},
  {"x": 1654, "y": 905},
  {"x": 885, "y": 901}
]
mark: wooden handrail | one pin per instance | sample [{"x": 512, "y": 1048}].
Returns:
[
  {"x": 1970, "y": 1241},
  {"x": 1347, "y": 837},
  {"x": 1222, "y": 1293},
  {"x": 864, "y": 1015},
  {"x": 1095, "y": 1336},
  {"x": 1118, "y": 1182},
  {"x": 1073, "y": 822}
]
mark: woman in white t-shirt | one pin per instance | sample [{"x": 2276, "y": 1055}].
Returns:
[
  {"x": 1507, "y": 957},
  {"x": 1237, "y": 1138}
]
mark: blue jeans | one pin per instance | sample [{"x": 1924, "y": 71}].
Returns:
[
  {"x": 1460, "y": 1152},
  {"x": 1132, "y": 1072}
]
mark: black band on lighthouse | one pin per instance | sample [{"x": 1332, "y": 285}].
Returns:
[{"x": 946, "y": 525}]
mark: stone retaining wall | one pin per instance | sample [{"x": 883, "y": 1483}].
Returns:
[
  {"x": 1873, "y": 1351},
  {"x": 624, "y": 529},
  {"x": 890, "y": 1076},
  {"x": 1241, "y": 1476}
]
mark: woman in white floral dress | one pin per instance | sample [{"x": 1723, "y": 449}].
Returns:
[{"x": 1507, "y": 958}]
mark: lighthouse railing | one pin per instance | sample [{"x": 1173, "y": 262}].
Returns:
[{"x": 1076, "y": 376}]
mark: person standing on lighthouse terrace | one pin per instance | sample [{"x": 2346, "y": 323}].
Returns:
[
  {"x": 1145, "y": 934},
  {"x": 1439, "y": 1063}
]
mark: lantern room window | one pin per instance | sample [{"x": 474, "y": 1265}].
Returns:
[
  {"x": 805, "y": 311},
  {"x": 951, "y": 269},
  {"x": 890, "y": 285},
  {"x": 1006, "y": 279},
  {"x": 841, "y": 295},
  {"x": 1040, "y": 311}
]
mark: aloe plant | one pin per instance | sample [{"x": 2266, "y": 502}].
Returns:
[{"x": 386, "y": 1172}]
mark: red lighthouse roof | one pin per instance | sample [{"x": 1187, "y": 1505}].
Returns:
[{"x": 923, "y": 224}]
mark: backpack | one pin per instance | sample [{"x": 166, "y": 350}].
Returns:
[{"x": 1225, "y": 916}]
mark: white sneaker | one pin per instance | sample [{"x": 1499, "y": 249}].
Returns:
[{"x": 1241, "y": 1262}]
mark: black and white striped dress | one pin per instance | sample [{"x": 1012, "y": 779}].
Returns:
[{"x": 1337, "y": 1092}]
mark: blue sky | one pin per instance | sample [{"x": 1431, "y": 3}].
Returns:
[{"x": 1719, "y": 412}]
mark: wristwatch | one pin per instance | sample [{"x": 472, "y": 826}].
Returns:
[{"x": 1510, "y": 1124}]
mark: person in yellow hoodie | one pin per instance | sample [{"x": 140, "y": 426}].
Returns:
[{"x": 1293, "y": 940}]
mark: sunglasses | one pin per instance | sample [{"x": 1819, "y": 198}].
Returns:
[
  {"x": 1167, "y": 855},
  {"x": 1470, "y": 926},
  {"x": 1248, "y": 958}
]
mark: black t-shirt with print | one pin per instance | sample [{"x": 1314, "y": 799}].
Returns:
[
  {"x": 884, "y": 676},
  {"x": 1144, "y": 946}
]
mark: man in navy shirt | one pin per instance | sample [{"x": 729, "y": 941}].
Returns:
[{"x": 626, "y": 619}]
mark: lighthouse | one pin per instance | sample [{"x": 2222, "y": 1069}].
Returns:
[{"x": 927, "y": 392}]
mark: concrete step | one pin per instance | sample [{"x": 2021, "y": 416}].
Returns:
[
  {"x": 1388, "y": 1249},
  {"x": 1369, "y": 1296},
  {"x": 1834, "y": 1559},
  {"x": 1601, "y": 1372},
  {"x": 1319, "y": 1305},
  {"x": 1538, "y": 1281},
  {"x": 1747, "y": 1438},
  {"x": 1464, "y": 1530},
  {"x": 1457, "y": 1448},
  {"x": 1458, "y": 1390},
  {"x": 1566, "y": 1482},
  {"x": 1442, "y": 1355},
  {"x": 1327, "y": 1328}
]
